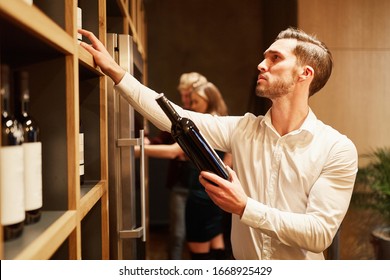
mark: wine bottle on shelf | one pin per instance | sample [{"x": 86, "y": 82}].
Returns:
[
  {"x": 30, "y": 2},
  {"x": 11, "y": 165},
  {"x": 81, "y": 153},
  {"x": 189, "y": 138},
  {"x": 79, "y": 21},
  {"x": 32, "y": 148}
]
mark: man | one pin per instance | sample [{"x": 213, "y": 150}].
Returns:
[{"x": 293, "y": 175}]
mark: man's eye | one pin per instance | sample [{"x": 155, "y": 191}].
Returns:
[{"x": 275, "y": 57}]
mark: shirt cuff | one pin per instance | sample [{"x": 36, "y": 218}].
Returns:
[
  {"x": 254, "y": 213},
  {"x": 128, "y": 82}
]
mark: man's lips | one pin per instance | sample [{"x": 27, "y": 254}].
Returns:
[{"x": 261, "y": 77}]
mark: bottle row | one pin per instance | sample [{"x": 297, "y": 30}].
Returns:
[{"x": 20, "y": 156}]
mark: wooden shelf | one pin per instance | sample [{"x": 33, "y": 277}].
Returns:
[
  {"x": 91, "y": 193},
  {"x": 86, "y": 60},
  {"x": 66, "y": 86},
  {"x": 41, "y": 240}
]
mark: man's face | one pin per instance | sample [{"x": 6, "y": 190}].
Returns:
[
  {"x": 278, "y": 70},
  {"x": 185, "y": 95}
]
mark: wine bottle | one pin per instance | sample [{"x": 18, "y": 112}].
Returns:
[
  {"x": 32, "y": 149},
  {"x": 79, "y": 21},
  {"x": 11, "y": 165},
  {"x": 29, "y": 2},
  {"x": 189, "y": 138},
  {"x": 81, "y": 153}
]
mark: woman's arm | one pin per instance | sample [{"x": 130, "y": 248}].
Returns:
[{"x": 162, "y": 151}]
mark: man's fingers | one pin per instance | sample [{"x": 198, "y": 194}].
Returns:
[
  {"x": 96, "y": 44},
  {"x": 88, "y": 47},
  {"x": 87, "y": 34},
  {"x": 232, "y": 174}
]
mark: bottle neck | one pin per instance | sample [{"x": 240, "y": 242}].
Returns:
[
  {"x": 24, "y": 106},
  {"x": 24, "y": 93},
  {"x": 5, "y": 90},
  {"x": 168, "y": 109},
  {"x": 5, "y": 105}
]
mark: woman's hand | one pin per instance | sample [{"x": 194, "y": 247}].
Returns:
[
  {"x": 101, "y": 57},
  {"x": 228, "y": 195}
]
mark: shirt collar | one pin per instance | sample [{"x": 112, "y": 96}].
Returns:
[{"x": 308, "y": 125}]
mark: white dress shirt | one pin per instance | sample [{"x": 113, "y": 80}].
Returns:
[{"x": 299, "y": 185}]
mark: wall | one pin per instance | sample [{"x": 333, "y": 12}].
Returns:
[
  {"x": 220, "y": 39},
  {"x": 357, "y": 97}
]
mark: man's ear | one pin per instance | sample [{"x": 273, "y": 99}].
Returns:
[{"x": 307, "y": 72}]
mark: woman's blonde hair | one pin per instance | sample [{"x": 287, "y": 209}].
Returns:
[
  {"x": 215, "y": 103},
  {"x": 189, "y": 81}
]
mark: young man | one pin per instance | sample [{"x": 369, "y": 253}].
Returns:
[{"x": 293, "y": 175}]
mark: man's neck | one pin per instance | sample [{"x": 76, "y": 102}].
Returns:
[{"x": 287, "y": 116}]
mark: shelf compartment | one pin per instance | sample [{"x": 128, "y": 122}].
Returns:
[
  {"x": 90, "y": 15},
  {"x": 48, "y": 99},
  {"x": 91, "y": 234},
  {"x": 39, "y": 241},
  {"x": 132, "y": 22},
  {"x": 37, "y": 23}
]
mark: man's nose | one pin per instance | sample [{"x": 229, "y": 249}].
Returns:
[{"x": 262, "y": 67}]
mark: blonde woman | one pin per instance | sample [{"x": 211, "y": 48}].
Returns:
[
  {"x": 204, "y": 219},
  {"x": 163, "y": 146}
]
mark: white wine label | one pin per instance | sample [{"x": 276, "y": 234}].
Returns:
[
  {"x": 12, "y": 185},
  {"x": 81, "y": 169},
  {"x": 30, "y": 2},
  {"x": 32, "y": 175},
  {"x": 79, "y": 23},
  {"x": 81, "y": 148}
]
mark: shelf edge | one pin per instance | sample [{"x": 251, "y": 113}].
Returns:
[
  {"x": 49, "y": 241},
  {"x": 87, "y": 60},
  {"x": 91, "y": 198}
]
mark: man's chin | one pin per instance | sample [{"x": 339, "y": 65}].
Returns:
[{"x": 260, "y": 92}]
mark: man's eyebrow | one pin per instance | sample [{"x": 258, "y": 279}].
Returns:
[{"x": 271, "y": 52}]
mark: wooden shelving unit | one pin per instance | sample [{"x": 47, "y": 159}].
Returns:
[
  {"x": 66, "y": 87},
  {"x": 65, "y": 84}
]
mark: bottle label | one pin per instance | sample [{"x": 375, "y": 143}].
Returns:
[
  {"x": 79, "y": 23},
  {"x": 81, "y": 153},
  {"x": 30, "y": 2},
  {"x": 81, "y": 170},
  {"x": 33, "y": 175},
  {"x": 12, "y": 185}
]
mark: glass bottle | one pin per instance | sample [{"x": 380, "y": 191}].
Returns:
[
  {"x": 189, "y": 138},
  {"x": 11, "y": 164},
  {"x": 32, "y": 148}
]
